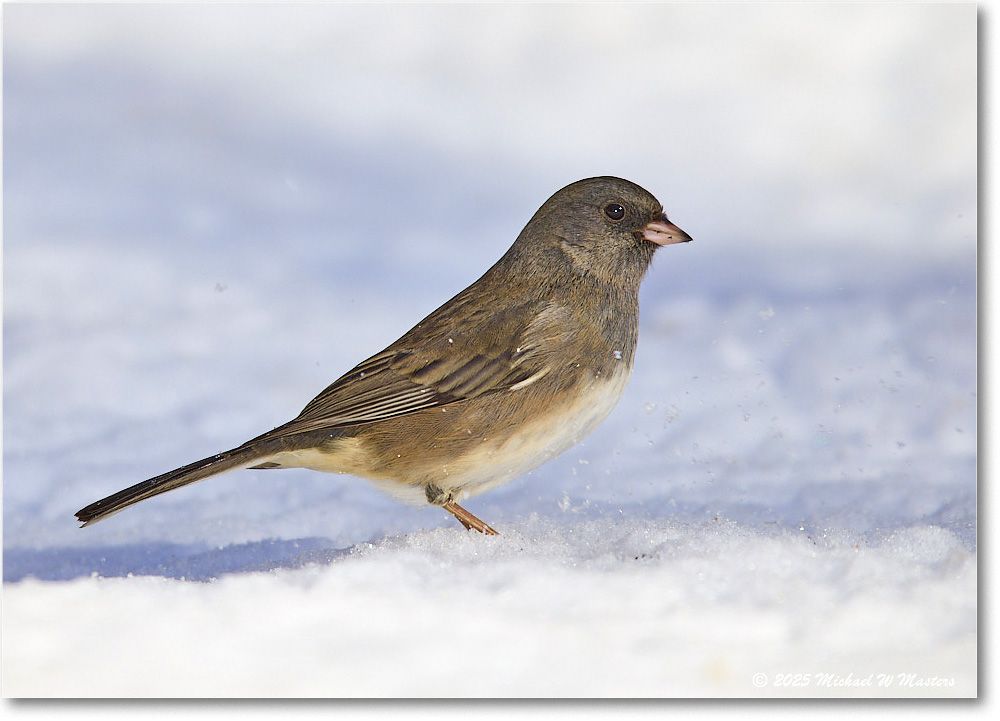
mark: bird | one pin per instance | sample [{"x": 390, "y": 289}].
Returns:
[{"x": 507, "y": 374}]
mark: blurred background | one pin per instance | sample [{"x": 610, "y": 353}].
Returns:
[{"x": 212, "y": 211}]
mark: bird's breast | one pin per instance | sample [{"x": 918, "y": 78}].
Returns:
[{"x": 548, "y": 429}]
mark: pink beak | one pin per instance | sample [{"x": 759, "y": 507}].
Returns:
[{"x": 663, "y": 232}]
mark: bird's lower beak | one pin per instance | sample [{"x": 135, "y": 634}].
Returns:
[{"x": 663, "y": 232}]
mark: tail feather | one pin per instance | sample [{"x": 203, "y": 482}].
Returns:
[{"x": 242, "y": 457}]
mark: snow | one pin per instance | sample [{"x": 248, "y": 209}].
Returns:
[{"x": 212, "y": 211}]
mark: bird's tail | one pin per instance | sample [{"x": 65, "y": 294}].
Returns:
[{"x": 248, "y": 454}]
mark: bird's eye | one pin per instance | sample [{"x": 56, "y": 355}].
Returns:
[{"x": 614, "y": 211}]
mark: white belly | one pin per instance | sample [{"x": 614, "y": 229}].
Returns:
[
  {"x": 490, "y": 464},
  {"x": 538, "y": 442}
]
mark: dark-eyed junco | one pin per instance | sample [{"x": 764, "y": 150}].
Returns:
[{"x": 509, "y": 373}]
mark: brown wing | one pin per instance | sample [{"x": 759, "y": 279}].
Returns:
[{"x": 434, "y": 365}]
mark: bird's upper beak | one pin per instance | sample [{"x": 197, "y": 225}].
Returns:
[{"x": 663, "y": 232}]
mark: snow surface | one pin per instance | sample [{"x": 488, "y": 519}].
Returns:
[{"x": 210, "y": 212}]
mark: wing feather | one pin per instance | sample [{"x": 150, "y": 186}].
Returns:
[{"x": 510, "y": 350}]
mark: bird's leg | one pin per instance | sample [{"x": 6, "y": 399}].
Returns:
[
  {"x": 439, "y": 497},
  {"x": 467, "y": 519}
]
